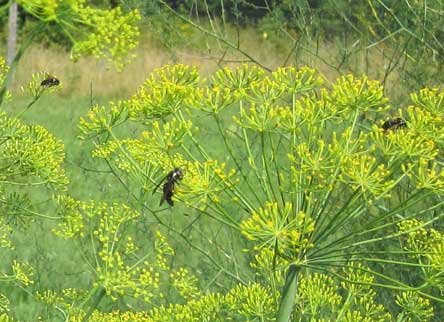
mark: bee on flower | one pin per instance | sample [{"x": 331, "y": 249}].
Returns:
[
  {"x": 50, "y": 81},
  {"x": 394, "y": 124}
]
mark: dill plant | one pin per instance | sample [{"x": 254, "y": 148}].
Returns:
[
  {"x": 306, "y": 175},
  {"x": 332, "y": 208}
]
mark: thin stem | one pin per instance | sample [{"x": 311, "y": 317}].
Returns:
[
  {"x": 215, "y": 35},
  {"x": 322, "y": 233},
  {"x": 268, "y": 182},
  {"x": 94, "y": 304},
  {"x": 238, "y": 165},
  {"x": 35, "y": 99}
]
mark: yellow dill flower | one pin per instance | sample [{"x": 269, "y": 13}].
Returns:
[
  {"x": 272, "y": 226},
  {"x": 238, "y": 80},
  {"x": 297, "y": 80}
]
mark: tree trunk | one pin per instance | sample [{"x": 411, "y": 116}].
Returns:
[{"x": 12, "y": 32}]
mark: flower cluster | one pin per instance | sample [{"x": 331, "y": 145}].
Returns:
[
  {"x": 163, "y": 251},
  {"x": 363, "y": 172},
  {"x": 185, "y": 283},
  {"x": 109, "y": 34},
  {"x": 238, "y": 80},
  {"x": 205, "y": 183},
  {"x": 4, "y": 306},
  {"x": 316, "y": 164},
  {"x": 112, "y": 34},
  {"x": 358, "y": 94},
  {"x": 322, "y": 298},
  {"x": 297, "y": 81},
  {"x": 414, "y": 307},
  {"x": 279, "y": 228},
  {"x": 430, "y": 100},
  {"x": 269, "y": 267},
  {"x": 66, "y": 301},
  {"x": 163, "y": 93},
  {"x": 30, "y": 151},
  {"x": 3, "y": 70},
  {"x": 211, "y": 100},
  {"x": 261, "y": 118},
  {"x": 121, "y": 268},
  {"x": 101, "y": 119},
  {"x": 23, "y": 273},
  {"x": 426, "y": 245}
]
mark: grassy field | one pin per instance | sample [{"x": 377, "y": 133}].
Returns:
[{"x": 331, "y": 58}]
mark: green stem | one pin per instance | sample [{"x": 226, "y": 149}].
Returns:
[
  {"x": 24, "y": 184},
  {"x": 267, "y": 183},
  {"x": 94, "y": 304},
  {"x": 215, "y": 35},
  {"x": 199, "y": 147},
  {"x": 276, "y": 169},
  {"x": 33, "y": 213},
  {"x": 7, "y": 278},
  {"x": 288, "y": 294},
  {"x": 35, "y": 99},
  {"x": 345, "y": 306},
  {"x": 236, "y": 162},
  {"x": 320, "y": 234},
  {"x": 371, "y": 226},
  {"x": 354, "y": 236}
]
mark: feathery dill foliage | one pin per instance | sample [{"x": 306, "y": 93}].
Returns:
[{"x": 335, "y": 211}]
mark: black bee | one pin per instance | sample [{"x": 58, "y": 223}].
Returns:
[
  {"x": 50, "y": 81},
  {"x": 168, "y": 187},
  {"x": 394, "y": 124}
]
